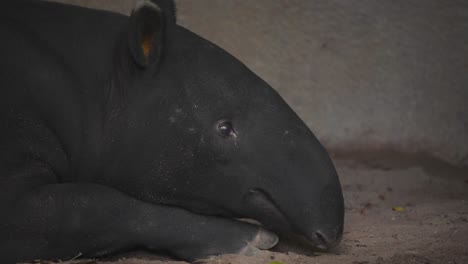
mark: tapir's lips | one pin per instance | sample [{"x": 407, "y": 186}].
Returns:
[{"x": 265, "y": 210}]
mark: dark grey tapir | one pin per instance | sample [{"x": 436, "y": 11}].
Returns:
[{"x": 119, "y": 133}]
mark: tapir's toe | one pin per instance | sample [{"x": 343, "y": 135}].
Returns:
[{"x": 264, "y": 239}]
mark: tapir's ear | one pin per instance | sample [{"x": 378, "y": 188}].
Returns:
[{"x": 146, "y": 33}]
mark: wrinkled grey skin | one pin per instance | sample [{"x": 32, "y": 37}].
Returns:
[{"x": 120, "y": 133}]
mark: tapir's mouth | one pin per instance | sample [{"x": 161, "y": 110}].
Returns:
[
  {"x": 264, "y": 209},
  {"x": 300, "y": 241}
]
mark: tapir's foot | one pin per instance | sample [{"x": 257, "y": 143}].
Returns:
[
  {"x": 263, "y": 240},
  {"x": 226, "y": 237}
]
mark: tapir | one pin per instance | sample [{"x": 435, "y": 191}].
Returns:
[{"x": 131, "y": 132}]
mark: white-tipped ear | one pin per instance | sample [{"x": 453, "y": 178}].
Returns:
[{"x": 146, "y": 33}]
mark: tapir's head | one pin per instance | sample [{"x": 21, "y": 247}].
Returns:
[{"x": 197, "y": 129}]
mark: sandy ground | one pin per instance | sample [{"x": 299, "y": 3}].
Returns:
[{"x": 430, "y": 227}]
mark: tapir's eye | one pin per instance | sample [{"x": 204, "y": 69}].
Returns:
[{"x": 226, "y": 130}]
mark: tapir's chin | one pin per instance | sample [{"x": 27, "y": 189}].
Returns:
[{"x": 264, "y": 209}]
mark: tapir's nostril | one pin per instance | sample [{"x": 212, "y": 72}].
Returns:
[{"x": 324, "y": 241}]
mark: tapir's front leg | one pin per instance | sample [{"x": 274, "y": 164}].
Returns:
[{"x": 65, "y": 220}]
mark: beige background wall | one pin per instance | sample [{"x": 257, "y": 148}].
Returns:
[{"x": 363, "y": 74}]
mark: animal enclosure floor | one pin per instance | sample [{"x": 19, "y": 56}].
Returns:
[{"x": 396, "y": 212}]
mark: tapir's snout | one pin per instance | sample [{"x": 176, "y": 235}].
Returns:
[
  {"x": 324, "y": 237},
  {"x": 326, "y": 230},
  {"x": 317, "y": 223},
  {"x": 327, "y": 238},
  {"x": 304, "y": 203}
]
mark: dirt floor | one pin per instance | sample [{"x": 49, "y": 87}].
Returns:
[{"x": 399, "y": 209}]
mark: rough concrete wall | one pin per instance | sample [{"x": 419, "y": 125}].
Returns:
[{"x": 363, "y": 74}]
